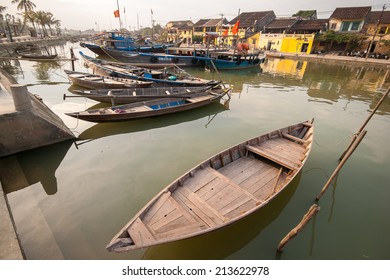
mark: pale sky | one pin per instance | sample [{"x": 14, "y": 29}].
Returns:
[{"x": 98, "y": 14}]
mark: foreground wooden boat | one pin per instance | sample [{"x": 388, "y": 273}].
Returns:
[
  {"x": 94, "y": 81},
  {"x": 124, "y": 96},
  {"x": 173, "y": 76},
  {"x": 221, "y": 190},
  {"x": 150, "y": 108}
]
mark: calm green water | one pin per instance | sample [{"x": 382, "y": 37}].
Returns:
[{"x": 69, "y": 200}]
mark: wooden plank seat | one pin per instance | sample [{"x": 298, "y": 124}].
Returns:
[{"x": 274, "y": 156}]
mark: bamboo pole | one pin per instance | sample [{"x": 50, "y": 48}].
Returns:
[
  {"x": 349, "y": 152},
  {"x": 306, "y": 218},
  {"x": 365, "y": 123}
]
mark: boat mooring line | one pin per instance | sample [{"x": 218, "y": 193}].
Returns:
[{"x": 356, "y": 139}]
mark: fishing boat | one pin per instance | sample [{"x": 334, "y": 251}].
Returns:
[
  {"x": 234, "y": 60},
  {"x": 94, "y": 81},
  {"x": 221, "y": 190},
  {"x": 170, "y": 76},
  {"x": 36, "y": 56},
  {"x": 124, "y": 96},
  {"x": 150, "y": 108},
  {"x": 153, "y": 60}
]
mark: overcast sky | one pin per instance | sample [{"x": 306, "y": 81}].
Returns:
[{"x": 98, "y": 14}]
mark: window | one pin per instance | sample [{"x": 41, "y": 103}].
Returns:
[
  {"x": 383, "y": 30},
  {"x": 333, "y": 26},
  {"x": 350, "y": 26}
]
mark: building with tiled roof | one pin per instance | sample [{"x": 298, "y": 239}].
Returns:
[
  {"x": 310, "y": 26},
  {"x": 280, "y": 25},
  {"x": 179, "y": 30},
  {"x": 349, "y": 19},
  {"x": 254, "y": 21},
  {"x": 378, "y": 23}
]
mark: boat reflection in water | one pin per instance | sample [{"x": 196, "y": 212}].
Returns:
[{"x": 35, "y": 166}]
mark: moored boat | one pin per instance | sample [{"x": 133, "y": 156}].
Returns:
[
  {"x": 221, "y": 190},
  {"x": 172, "y": 76},
  {"x": 153, "y": 60},
  {"x": 150, "y": 108},
  {"x": 124, "y": 96},
  {"x": 94, "y": 81}
]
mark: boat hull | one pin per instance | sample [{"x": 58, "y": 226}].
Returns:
[{"x": 221, "y": 190}]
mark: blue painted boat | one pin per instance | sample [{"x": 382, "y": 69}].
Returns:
[
  {"x": 234, "y": 60},
  {"x": 153, "y": 60}
]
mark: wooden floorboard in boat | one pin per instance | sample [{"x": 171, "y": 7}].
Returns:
[
  {"x": 139, "y": 232},
  {"x": 237, "y": 203},
  {"x": 269, "y": 188},
  {"x": 199, "y": 207},
  {"x": 189, "y": 229},
  {"x": 237, "y": 166},
  {"x": 156, "y": 207},
  {"x": 201, "y": 178},
  {"x": 255, "y": 181},
  {"x": 263, "y": 180}
]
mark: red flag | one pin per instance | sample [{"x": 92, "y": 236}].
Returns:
[
  {"x": 225, "y": 32},
  {"x": 235, "y": 27},
  {"x": 116, "y": 13}
]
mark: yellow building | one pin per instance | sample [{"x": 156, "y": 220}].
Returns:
[{"x": 377, "y": 30}]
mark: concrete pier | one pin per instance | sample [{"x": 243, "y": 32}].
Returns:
[{"x": 25, "y": 123}]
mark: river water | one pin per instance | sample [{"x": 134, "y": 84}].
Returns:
[{"x": 68, "y": 200}]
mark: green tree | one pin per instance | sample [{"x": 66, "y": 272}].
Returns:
[{"x": 25, "y": 5}]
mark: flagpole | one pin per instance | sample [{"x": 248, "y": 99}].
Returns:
[{"x": 120, "y": 22}]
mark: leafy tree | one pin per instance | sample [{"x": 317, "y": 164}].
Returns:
[{"x": 25, "y": 5}]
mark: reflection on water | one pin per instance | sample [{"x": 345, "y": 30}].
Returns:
[
  {"x": 35, "y": 166},
  {"x": 121, "y": 166}
]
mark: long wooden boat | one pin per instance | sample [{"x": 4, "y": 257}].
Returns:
[
  {"x": 221, "y": 190},
  {"x": 124, "y": 96},
  {"x": 36, "y": 56},
  {"x": 153, "y": 60},
  {"x": 150, "y": 108},
  {"x": 172, "y": 76},
  {"x": 94, "y": 81}
]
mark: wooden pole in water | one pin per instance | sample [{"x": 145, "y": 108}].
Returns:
[
  {"x": 349, "y": 152},
  {"x": 306, "y": 218},
  {"x": 365, "y": 123},
  {"x": 72, "y": 58}
]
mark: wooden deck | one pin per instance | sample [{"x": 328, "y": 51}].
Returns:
[{"x": 222, "y": 190}]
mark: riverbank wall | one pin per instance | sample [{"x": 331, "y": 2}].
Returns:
[{"x": 337, "y": 59}]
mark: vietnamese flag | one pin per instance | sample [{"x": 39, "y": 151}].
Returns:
[
  {"x": 235, "y": 27},
  {"x": 225, "y": 32},
  {"x": 116, "y": 13}
]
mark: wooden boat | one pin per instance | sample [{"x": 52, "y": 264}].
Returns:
[
  {"x": 36, "y": 56},
  {"x": 150, "y": 108},
  {"x": 234, "y": 60},
  {"x": 221, "y": 190},
  {"x": 124, "y": 96},
  {"x": 172, "y": 76},
  {"x": 153, "y": 60},
  {"x": 94, "y": 81}
]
